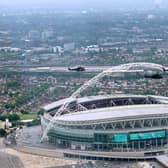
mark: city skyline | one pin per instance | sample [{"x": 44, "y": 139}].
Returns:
[{"x": 81, "y": 4}]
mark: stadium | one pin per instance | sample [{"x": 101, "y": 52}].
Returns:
[{"x": 109, "y": 126}]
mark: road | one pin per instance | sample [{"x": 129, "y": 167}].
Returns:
[
  {"x": 49, "y": 69},
  {"x": 8, "y": 160}
]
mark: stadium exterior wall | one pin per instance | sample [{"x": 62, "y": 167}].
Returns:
[{"x": 140, "y": 133}]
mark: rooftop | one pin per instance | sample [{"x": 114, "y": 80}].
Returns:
[
  {"x": 57, "y": 104},
  {"x": 133, "y": 111},
  {"x": 85, "y": 99}
]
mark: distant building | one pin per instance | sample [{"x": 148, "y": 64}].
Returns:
[
  {"x": 150, "y": 16},
  {"x": 5, "y": 124},
  {"x": 41, "y": 50},
  {"x": 2, "y": 125},
  {"x": 69, "y": 46},
  {"x": 141, "y": 50},
  {"x": 46, "y": 34},
  {"x": 10, "y": 49},
  {"x": 34, "y": 35},
  {"x": 58, "y": 50},
  {"x": 93, "y": 48}
]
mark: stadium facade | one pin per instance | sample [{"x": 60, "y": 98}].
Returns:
[{"x": 109, "y": 127}]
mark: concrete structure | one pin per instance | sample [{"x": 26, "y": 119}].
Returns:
[
  {"x": 121, "y": 125},
  {"x": 109, "y": 127},
  {"x": 34, "y": 35},
  {"x": 69, "y": 46},
  {"x": 5, "y": 124},
  {"x": 47, "y": 34}
]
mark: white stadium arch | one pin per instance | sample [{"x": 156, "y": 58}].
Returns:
[{"x": 124, "y": 68}]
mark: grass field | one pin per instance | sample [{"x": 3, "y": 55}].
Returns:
[{"x": 28, "y": 116}]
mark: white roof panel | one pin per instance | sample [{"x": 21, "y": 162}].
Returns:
[
  {"x": 116, "y": 112},
  {"x": 85, "y": 99},
  {"x": 57, "y": 104},
  {"x": 99, "y": 97}
]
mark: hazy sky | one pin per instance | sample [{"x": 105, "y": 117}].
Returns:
[{"x": 85, "y": 3}]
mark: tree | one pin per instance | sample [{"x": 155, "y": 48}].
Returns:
[
  {"x": 9, "y": 105},
  {"x": 11, "y": 117},
  {"x": 2, "y": 133}
]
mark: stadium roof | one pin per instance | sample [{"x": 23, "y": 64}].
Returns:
[
  {"x": 57, "y": 104},
  {"x": 85, "y": 99},
  {"x": 121, "y": 112}
]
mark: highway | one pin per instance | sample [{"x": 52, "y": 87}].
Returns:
[
  {"x": 65, "y": 69},
  {"x": 20, "y": 68}
]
